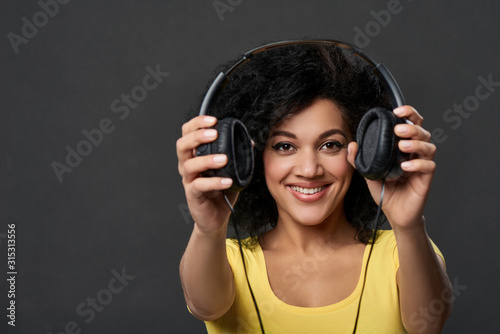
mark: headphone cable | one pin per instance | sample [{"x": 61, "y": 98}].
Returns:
[
  {"x": 374, "y": 236},
  {"x": 244, "y": 265}
]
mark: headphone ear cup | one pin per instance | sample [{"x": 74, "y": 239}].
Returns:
[
  {"x": 378, "y": 154},
  {"x": 234, "y": 141}
]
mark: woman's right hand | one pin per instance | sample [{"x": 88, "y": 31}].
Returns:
[{"x": 205, "y": 200}]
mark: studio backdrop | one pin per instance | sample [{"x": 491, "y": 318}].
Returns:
[{"x": 93, "y": 95}]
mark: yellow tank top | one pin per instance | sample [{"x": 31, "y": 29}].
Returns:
[{"x": 379, "y": 311}]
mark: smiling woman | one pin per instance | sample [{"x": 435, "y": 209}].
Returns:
[
  {"x": 306, "y": 167},
  {"x": 307, "y": 214}
]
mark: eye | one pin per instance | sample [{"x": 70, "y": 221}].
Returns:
[
  {"x": 283, "y": 146},
  {"x": 332, "y": 146}
]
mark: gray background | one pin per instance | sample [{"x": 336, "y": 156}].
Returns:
[{"x": 123, "y": 206}]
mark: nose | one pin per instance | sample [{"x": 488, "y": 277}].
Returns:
[{"x": 308, "y": 164}]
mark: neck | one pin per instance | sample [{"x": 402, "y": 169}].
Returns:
[{"x": 333, "y": 232}]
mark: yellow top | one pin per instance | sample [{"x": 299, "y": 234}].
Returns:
[{"x": 379, "y": 311}]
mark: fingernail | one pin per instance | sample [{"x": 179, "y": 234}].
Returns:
[
  {"x": 406, "y": 144},
  {"x": 402, "y": 128},
  {"x": 210, "y": 133},
  {"x": 407, "y": 164},
  {"x": 226, "y": 181},
  {"x": 399, "y": 111},
  {"x": 209, "y": 119},
  {"x": 219, "y": 158}
]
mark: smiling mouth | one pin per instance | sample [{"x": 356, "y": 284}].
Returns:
[{"x": 307, "y": 191}]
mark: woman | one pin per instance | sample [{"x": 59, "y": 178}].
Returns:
[{"x": 307, "y": 211}]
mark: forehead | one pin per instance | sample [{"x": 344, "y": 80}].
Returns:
[{"x": 321, "y": 115}]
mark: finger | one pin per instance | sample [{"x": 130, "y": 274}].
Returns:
[
  {"x": 189, "y": 142},
  {"x": 198, "y": 122},
  {"x": 193, "y": 167},
  {"x": 423, "y": 149},
  {"x": 410, "y": 114},
  {"x": 419, "y": 165},
  {"x": 203, "y": 185},
  {"x": 412, "y": 131}
]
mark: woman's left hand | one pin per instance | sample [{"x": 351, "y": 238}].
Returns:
[{"x": 404, "y": 199}]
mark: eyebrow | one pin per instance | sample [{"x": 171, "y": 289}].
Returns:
[
  {"x": 325, "y": 134},
  {"x": 330, "y": 132}
]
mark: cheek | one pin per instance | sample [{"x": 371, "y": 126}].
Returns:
[
  {"x": 341, "y": 169},
  {"x": 275, "y": 171},
  {"x": 345, "y": 171},
  {"x": 345, "y": 168},
  {"x": 272, "y": 169}
]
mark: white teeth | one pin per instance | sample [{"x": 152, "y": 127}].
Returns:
[{"x": 308, "y": 191}]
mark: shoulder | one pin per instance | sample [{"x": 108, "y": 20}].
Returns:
[
  {"x": 248, "y": 244},
  {"x": 250, "y": 248},
  {"x": 386, "y": 242},
  {"x": 385, "y": 249}
]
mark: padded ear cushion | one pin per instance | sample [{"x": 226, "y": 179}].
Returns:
[
  {"x": 378, "y": 155},
  {"x": 234, "y": 141}
]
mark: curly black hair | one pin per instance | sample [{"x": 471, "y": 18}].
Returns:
[{"x": 281, "y": 82}]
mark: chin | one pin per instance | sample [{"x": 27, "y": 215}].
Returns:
[{"x": 310, "y": 217}]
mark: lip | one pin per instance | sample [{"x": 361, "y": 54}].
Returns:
[{"x": 308, "y": 197}]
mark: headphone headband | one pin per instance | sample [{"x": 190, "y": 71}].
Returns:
[{"x": 388, "y": 82}]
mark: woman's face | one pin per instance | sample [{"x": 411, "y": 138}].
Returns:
[{"x": 305, "y": 164}]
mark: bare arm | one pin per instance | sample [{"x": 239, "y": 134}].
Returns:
[
  {"x": 424, "y": 288},
  {"x": 422, "y": 281},
  {"x": 206, "y": 275},
  {"x": 205, "y": 272}
]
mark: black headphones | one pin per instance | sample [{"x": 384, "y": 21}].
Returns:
[{"x": 378, "y": 155}]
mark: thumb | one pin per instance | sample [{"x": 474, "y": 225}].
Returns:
[{"x": 352, "y": 149}]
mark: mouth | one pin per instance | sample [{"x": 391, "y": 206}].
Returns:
[{"x": 311, "y": 193}]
